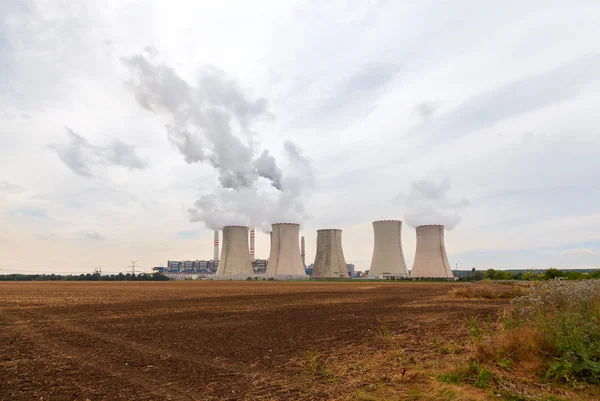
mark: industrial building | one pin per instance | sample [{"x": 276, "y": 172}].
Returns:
[
  {"x": 329, "y": 260},
  {"x": 388, "y": 258},
  {"x": 260, "y": 266},
  {"x": 189, "y": 266}
]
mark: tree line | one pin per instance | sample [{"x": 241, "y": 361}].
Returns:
[
  {"x": 85, "y": 277},
  {"x": 552, "y": 273}
]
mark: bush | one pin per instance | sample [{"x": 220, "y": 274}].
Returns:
[{"x": 555, "y": 329}]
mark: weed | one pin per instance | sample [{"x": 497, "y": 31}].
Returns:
[
  {"x": 505, "y": 363},
  {"x": 363, "y": 396},
  {"x": 483, "y": 379},
  {"x": 510, "y": 396},
  {"x": 384, "y": 330},
  {"x": 414, "y": 395},
  {"x": 450, "y": 348},
  {"x": 447, "y": 394},
  {"x": 475, "y": 328},
  {"x": 358, "y": 368},
  {"x": 470, "y": 373},
  {"x": 315, "y": 367}
]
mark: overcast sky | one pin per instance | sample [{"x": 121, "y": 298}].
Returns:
[{"x": 494, "y": 108}]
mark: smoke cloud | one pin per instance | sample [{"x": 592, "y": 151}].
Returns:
[
  {"x": 259, "y": 207},
  {"x": 81, "y": 156},
  {"x": 211, "y": 122},
  {"x": 429, "y": 202},
  {"x": 7, "y": 187}
]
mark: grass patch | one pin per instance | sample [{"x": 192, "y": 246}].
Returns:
[
  {"x": 315, "y": 367},
  {"x": 450, "y": 348},
  {"x": 554, "y": 331},
  {"x": 469, "y": 372}
]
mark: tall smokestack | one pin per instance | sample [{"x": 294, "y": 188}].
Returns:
[
  {"x": 431, "y": 259},
  {"x": 303, "y": 251},
  {"x": 329, "y": 261},
  {"x": 235, "y": 255},
  {"x": 252, "y": 244},
  {"x": 216, "y": 244},
  {"x": 387, "y": 250},
  {"x": 285, "y": 258}
]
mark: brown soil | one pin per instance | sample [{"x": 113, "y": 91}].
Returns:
[{"x": 229, "y": 340}]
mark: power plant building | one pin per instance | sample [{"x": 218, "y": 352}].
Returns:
[
  {"x": 431, "y": 260},
  {"x": 329, "y": 261},
  {"x": 235, "y": 253},
  {"x": 285, "y": 258},
  {"x": 388, "y": 258}
]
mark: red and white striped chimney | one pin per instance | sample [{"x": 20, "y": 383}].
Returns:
[
  {"x": 252, "y": 244},
  {"x": 216, "y": 255}
]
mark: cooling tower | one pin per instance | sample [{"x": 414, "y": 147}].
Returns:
[
  {"x": 252, "y": 244},
  {"x": 303, "y": 251},
  {"x": 216, "y": 244},
  {"x": 430, "y": 258},
  {"x": 387, "y": 250},
  {"x": 329, "y": 261},
  {"x": 285, "y": 258},
  {"x": 235, "y": 255}
]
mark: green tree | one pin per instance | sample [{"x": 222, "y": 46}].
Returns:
[
  {"x": 499, "y": 275},
  {"x": 489, "y": 274},
  {"x": 576, "y": 276},
  {"x": 553, "y": 273}
]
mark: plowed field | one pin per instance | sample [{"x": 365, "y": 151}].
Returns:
[{"x": 226, "y": 340}]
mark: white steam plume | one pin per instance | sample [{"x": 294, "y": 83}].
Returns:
[
  {"x": 429, "y": 203},
  {"x": 203, "y": 118},
  {"x": 208, "y": 122},
  {"x": 260, "y": 207}
]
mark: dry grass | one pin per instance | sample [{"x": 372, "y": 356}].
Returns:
[
  {"x": 488, "y": 292},
  {"x": 523, "y": 344}
]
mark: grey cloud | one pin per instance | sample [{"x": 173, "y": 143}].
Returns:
[
  {"x": 77, "y": 155},
  {"x": 425, "y": 110},
  {"x": 518, "y": 97},
  {"x": 429, "y": 202},
  {"x": 151, "y": 51},
  {"x": 369, "y": 78},
  {"x": 89, "y": 235},
  {"x": 355, "y": 92},
  {"x": 122, "y": 154},
  {"x": 47, "y": 237},
  {"x": 7, "y": 187},
  {"x": 14, "y": 116},
  {"x": 82, "y": 157}
]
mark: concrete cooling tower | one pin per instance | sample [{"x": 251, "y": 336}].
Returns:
[
  {"x": 329, "y": 261},
  {"x": 388, "y": 257},
  {"x": 285, "y": 258},
  {"x": 235, "y": 255},
  {"x": 430, "y": 259}
]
